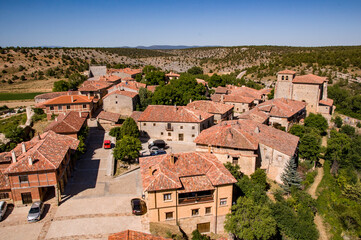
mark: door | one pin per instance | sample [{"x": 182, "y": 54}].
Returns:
[
  {"x": 181, "y": 137},
  {"x": 26, "y": 197},
  {"x": 204, "y": 227}
]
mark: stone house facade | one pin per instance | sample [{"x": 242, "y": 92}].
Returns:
[
  {"x": 124, "y": 73},
  {"x": 193, "y": 198},
  {"x": 172, "y": 123},
  {"x": 250, "y": 145},
  {"x": 107, "y": 120},
  {"x": 120, "y": 101}
]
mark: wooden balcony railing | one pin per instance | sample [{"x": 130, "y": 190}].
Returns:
[{"x": 206, "y": 198}]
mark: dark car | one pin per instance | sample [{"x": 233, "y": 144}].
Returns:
[
  {"x": 138, "y": 206},
  {"x": 157, "y": 152},
  {"x": 36, "y": 211},
  {"x": 3, "y": 207},
  {"x": 158, "y": 143}
]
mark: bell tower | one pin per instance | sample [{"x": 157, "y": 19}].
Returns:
[{"x": 284, "y": 86}]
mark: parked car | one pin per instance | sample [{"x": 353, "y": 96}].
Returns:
[
  {"x": 36, "y": 211},
  {"x": 138, "y": 206},
  {"x": 158, "y": 143},
  {"x": 3, "y": 207},
  {"x": 157, "y": 152},
  {"x": 107, "y": 144}
]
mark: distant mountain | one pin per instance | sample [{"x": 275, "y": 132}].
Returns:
[{"x": 165, "y": 47}]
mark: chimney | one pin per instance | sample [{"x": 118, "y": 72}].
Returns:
[
  {"x": 209, "y": 148},
  {"x": 200, "y": 117},
  {"x": 172, "y": 159},
  {"x": 72, "y": 98},
  {"x": 23, "y": 148},
  {"x": 80, "y": 114},
  {"x": 150, "y": 171},
  {"x": 222, "y": 98},
  {"x": 13, "y": 156},
  {"x": 56, "y": 119},
  {"x": 190, "y": 100},
  {"x": 257, "y": 130},
  {"x": 39, "y": 136},
  {"x": 89, "y": 96},
  {"x": 30, "y": 160}
]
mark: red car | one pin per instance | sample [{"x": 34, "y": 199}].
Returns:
[{"x": 107, "y": 144}]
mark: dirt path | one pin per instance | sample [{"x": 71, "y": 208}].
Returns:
[{"x": 318, "y": 178}]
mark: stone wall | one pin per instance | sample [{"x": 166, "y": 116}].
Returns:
[
  {"x": 309, "y": 93},
  {"x": 117, "y": 103}
]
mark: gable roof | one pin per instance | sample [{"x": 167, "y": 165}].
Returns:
[
  {"x": 135, "y": 115},
  {"x": 70, "y": 122},
  {"x": 255, "y": 114},
  {"x": 128, "y": 84},
  {"x": 134, "y": 235},
  {"x": 231, "y": 98},
  {"x": 114, "y": 117},
  {"x": 286, "y": 71},
  {"x": 210, "y": 106},
  {"x": 327, "y": 101},
  {"x": 109, "y": 78},
  {"x": 172, "y": 74},
  {"x": 46, "y": 152},
  {"x": 160, "y": 173},
  {"x": 69, "y": 99},
  {"x": 51, "y": 95},
  {"x": 93, "y": 85},
  {"x": 95, "y": 71},
  {"x": 310, "y": 79},
  {"x": 123, "y": 93},
  {"x": 281, "y": 107},
  {"x": 248, "y": 134},
  {"x": 125, "y": 70},
  {"x": 164, "y": 113}
]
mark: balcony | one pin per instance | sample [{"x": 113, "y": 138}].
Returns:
[
  {"x": 197, "y": 199},
  {"x": 169, "y": 128}
]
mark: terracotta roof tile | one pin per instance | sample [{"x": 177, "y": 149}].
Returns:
[
  {"x": 256, "y": 115},
  {"x": 4, "y": 182},
  {"x": 152, "y": 88},
  {"x": 172, "y": 74},
  {"x": 51, "y": 95},
  {"x": 134, "y": 235},
  {"x": 221, "y": 90},
  {"x": 248, "y": 134},
  {"x": 94, "y": 85},
  {"x": 114, "y": 117},
  {"x": 69, "y": 99},
  {"x": 286, "y": 72},
  {"x": 160, "y": 173},
  {"x": 328, "y": 102},
  {"x": 128, "y": 84},
  {"x": 46, "y": 153},
  {"x": 231, "y": 98},
  {"x": 195, "y": 184},
  {"x": 122, "y": 92},
  {"x": 109, "y": 78},
  {"x": 201, "y": 81},
  {"x": 135, "y": 115},
  {"x": 163, "y": 113},
  {"x": 125, "y": 70},
  {"x": 282, "y": 107},
  {"x": 309, "y": 78},
  {"x": 70, "y": 122},
  {"x": 210, "y": 107}
]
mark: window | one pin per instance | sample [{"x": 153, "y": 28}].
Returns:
[
  {"x": 180, "y": 137},
  {"x": 167, "y": 196},
  {"x": 169, "y": 126},
  {"x": 84, "y": 105},
  {"x": 208, "y": 210},
  {"x": 169, "y": 134},
  {"x": 195, "y": 212},
  {"x": 204, "y": 227},
  {"x": 181, "y": 127},
  {"x": 116, "y": 102},
  {"x": 67, "y": 106},
  {"x": 51, "y": 107},
  {"x": 4, "y": 195},
  {"x": 169, "y": 215},
  {"x": 283, "y": 77},
  {"x": 161, "y": 133},
  {"x": 235, "y": 160},
  {"x": 223, "y": 202},
  {"x": 153, "y": 124},
  {"x": 144, "y": 124},
  {"x": 193, "y": 127},
  {"x": 193, "y": 135},
  {"x": 286, "y": 77},
  {"x": 23, "y": 178}
]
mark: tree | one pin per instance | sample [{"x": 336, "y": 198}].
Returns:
[
  {"x": 234, "y": 170},
  {"x": 338, "y": 148},
  {"x": 297, "y": 130},
  {"x": 195, "y": 70},
  {"x": 290, "y": 177},
  {"x": 249, "y": 220},
  {"x": 196, "y": 235},
  {"x": 271, "y": 95},
  {"x": 127, "y": 149},
  {"x": 155, "y": 78},
  {"x": 338, "y": 121},
  {"x": 145, "y": 98},
  {"x": 116, "y": 132},
  {"x": 316, "y": 121},
  {"x": 130, "y": 128},
  {"x": 349, "y": 130},
  {"x": 260, "y": 177},
  {"x": 310, "y": 146},
  {"x": 60, "y": 86}
]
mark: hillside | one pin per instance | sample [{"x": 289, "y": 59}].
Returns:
[{"x": 35, "y": 69}]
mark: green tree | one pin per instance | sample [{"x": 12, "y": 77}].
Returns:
[
  {"x": 290, "y": 177},
  {"x": 130, "y": 128},
  {"x": 75, "y": 80},
  {"x": 249, "y": 220},
  {"x": 60, "y": 86},
  {"x": 338, "y": 121},
  {"x": 116, "y": 132},
  {"x": 260, "y": 177},
  {"x": 196, "y": 235},
  {"x": 195, "y": 70},
  {"x": 316, "y": 121},
  {"x": 297, "y": 130},
  {"x": 234, "y": 170},
  {"x": 349, "y": 130},
  {"x": 338, "y": 148},
  {"x": 127, "y": 149},
  {"x": 310, "y": 146},
  {"x": 271, "y": 95},
  {"x": 145, "y": 98},
  {"x": 155, "y": 78}
]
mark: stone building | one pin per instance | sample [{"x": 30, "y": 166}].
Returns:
[
  {"x": 172, "y": 75},
  {"x": 107, "y": 120},
  {"x": 196, "y": 197},
  {"x": 131, "y": 86},
  {"x": 47, "y": 96},
  {"x": 241, "y": 104},
  {"x": 251, "y": 145},
  {"x": 120, "y": 101},
  {"x": 97, "y": 71},
  {"x": 124, "y": 73},
  {"x": 172, "y": 123},
  {"x": 38, "y": 166},
  {"x": 69, "y": 123},
  {"x": 307, "y": 88},
  {"x": 220, "y": 111}
]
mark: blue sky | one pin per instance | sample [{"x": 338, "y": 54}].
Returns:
[{"x": 78, "y": 23}]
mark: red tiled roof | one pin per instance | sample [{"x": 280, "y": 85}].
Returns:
[
  {"x": 94, "y": 85},
  {"x": 152, "y": 88},
  {"x": 125, "y": 70},
  {"x": 246, "y": 92},
  {"x": 328, "y": 102},
  {"x": 309, "y": 78},
  {"x": 210, "y": 106},
  {"x": 221, "y": 90},
  {"x": 69, "y": 100},
  {"x": 201, "y": 81},
  {"x": 255, "y": 114},
  {"x": 129, "y": 84},
  {"x": 4, "y": 182},
  {"x": 248, "y": 134},
  {"x": 70, "y": 122},
  {"x": 172, "y": 74},
  {"x": 109, "y": 78},
  {"x": 122, "y": 92},
  {"x": 51, "y": 95},
  {"x": 195, "y": 184},
  {"x": 282, "y": 107},
  {"x": 134, "y": 235},
  {"x": 287, "y": 72},
  {"x": 135, "y": 115},
  {"x": 231, "y": 98},
  {"x": 47, "y": 153},
  {"x": 114, "y": 117},
  {"x": 163, "y": 113},
  {"x": 160, "y": 173}
]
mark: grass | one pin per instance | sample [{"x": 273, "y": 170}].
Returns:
[
  {"x": 18, "y": 96},
  {"x": 9, "y": 122}
]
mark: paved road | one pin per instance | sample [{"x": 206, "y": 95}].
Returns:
[{"x": 93, "y": 205}]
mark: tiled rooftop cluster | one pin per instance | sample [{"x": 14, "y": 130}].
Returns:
[
  {"x": 68, "y": 122},
  {"x": 210, "y": 106}
]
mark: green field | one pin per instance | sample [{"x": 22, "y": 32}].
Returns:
[{"x": 17, "y": 96}]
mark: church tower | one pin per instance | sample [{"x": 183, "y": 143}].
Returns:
[{"x": 284, "y": 87}]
